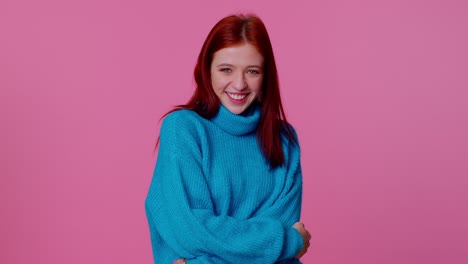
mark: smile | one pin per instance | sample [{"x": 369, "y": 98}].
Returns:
[{"x": 237, "y": 97}]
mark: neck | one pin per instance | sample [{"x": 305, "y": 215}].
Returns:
[{"x": 238, "y": 125}]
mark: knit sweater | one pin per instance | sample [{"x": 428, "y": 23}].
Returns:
[{"x": 214, "y": 198}]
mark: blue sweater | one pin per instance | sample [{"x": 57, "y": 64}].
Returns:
[{"x": 214, "y": 197}]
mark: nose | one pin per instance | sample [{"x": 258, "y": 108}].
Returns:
[{"x": 239, "y": 82}]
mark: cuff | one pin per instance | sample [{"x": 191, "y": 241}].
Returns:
[{"x": 292, "y": 245}]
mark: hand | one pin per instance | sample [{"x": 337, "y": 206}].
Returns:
[
  {"x": 179, "y": 261},
  {"x": 305, "y": 237}
]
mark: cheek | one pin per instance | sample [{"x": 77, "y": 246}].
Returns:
[
  {"x": 256, "y": 85},
  {"x": 216, "y": 82}
]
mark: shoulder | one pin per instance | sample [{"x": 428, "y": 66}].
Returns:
[
  {"x": 179, "y": 136},
  {"x": 291, "y": 146},
  {"x": 181, "y": 120},
  {"x": 290, "y": 143},
  {"x": 289, "y": 134},
  {"x": 182, "y": 129}
]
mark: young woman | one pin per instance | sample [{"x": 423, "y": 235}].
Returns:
[{"x": 227, "y": 184}]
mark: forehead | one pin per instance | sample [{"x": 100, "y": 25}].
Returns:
[{"x": 238, "y": 55}]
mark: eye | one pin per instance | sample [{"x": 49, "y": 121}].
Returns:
[
  {"x": 254, "y": 72},
  {"x": 226, "y": 70}
]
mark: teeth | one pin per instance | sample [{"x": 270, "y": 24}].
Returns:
[{"x": 237, "y": 96}]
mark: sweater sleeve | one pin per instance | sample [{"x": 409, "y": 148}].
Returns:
[
  {"x": 287, "y": 207},
  {"x": 288, "y": 204},
  {"x": 179, "y": 203}
]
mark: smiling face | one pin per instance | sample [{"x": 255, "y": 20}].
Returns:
[{"x": 237, "y": 76}]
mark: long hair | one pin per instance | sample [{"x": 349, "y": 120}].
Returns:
[{"x": 231, "y": 31}]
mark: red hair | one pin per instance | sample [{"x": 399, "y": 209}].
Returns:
[{"x": 231, "y": 31}]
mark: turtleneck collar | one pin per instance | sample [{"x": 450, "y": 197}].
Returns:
[{"x": 238, "y": 125}]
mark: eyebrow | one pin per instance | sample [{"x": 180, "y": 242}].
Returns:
[{"x": 230, "y": 65}]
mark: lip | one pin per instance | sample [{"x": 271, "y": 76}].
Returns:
[{"x": 237, "y": 101}]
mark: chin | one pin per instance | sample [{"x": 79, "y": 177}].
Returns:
[{"x": 236, "y": 111}]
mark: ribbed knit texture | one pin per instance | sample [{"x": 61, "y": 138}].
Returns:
[{"x": 215, "y": 199}]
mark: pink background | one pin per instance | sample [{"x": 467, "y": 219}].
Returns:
[{"x": 376, "y": 89}]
